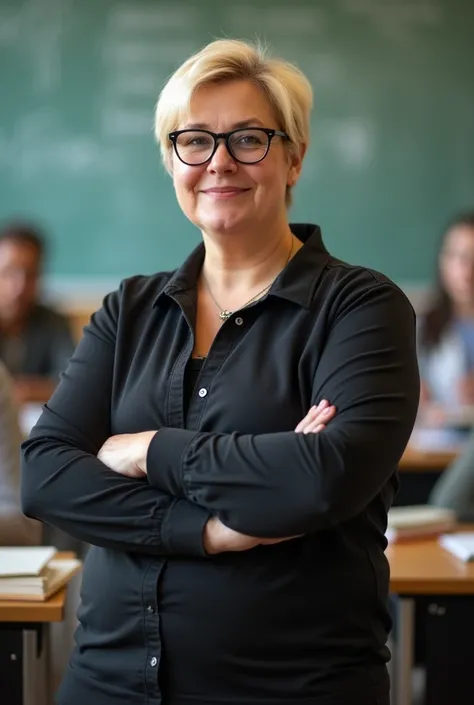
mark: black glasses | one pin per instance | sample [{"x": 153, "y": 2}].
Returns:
[{"x": 247, "y": 145}]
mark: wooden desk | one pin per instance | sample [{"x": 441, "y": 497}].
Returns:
[
  {"x": 50, "y": 611},
  {"x": 419, "y": 472},
  {"x": 424, "y": 568},
  {"x": 425, "y": 575},
  {"x": 414, "y": 460},
  {"x": 24, "y": 647}
]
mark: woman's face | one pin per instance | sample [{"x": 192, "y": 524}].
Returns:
[
  {"x": 457, "y": 265},
  {"x": 224, "y": 196}
]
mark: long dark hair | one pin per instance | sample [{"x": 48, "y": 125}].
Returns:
[{"x": 440, "y": 312}]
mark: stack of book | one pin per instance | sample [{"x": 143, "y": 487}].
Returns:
[
  {"x": 460, "y": 545},
  {"x": 418, "y": 521},
  {"x": 33, "y": 573}
]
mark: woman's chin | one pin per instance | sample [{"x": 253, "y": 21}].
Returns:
[{"x": 222, "y": 223}]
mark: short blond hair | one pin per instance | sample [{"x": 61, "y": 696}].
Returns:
[{"x": 286, "y": 87}]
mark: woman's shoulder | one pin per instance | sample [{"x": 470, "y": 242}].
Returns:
[
  {"x": 358, "y": 283},
  {"x": 139, "y": 289},
  {"x": 133, "y": 298}
]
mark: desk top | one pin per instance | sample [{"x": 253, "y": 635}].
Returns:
[
  {"x": 50, "y": 611},
  {"x": 423, "y": 567},
  {"x": 414, "y": 460},
  {"x": 28, "y": 611}
]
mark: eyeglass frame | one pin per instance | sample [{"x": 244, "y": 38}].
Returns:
[{"x": 271, "y": 133}]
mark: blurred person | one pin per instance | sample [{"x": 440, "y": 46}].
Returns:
[
  {"x": 446, "y": 328},
  {"x": 454, "y": 489},
  {"x": 227, "y": 435},
  {"x": 15, "y": 528},
  {"x": 35, "y": 340}
]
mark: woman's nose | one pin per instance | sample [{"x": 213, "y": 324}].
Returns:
[{"x": 222, "y": 160}]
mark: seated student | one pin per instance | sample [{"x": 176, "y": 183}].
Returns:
[
  {"x": 15, "y": 528},
  {"x": 455, "y": 487},
  {"x": 35, "y": 341},
  {"x": 446, "y": 330}
]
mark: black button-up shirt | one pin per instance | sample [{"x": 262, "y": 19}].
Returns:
[{"x": 304, "y": 621}]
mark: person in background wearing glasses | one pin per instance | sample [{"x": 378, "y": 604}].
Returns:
[{"x": 227, "y": 436}]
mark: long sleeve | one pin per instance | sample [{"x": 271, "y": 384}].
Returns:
[
  {"x": 15, "y": 528},
  {"x": 64, "y": 483},
  {"x": 279, "y": 484}
]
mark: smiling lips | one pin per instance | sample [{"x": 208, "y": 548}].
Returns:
[{"x": 223, "y": 192}]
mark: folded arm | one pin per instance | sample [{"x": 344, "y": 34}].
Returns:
[
  {"x": 290, "y": 483},
  {"x": 66, "y": 485}
]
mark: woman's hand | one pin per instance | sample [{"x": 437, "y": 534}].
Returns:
[
  {"x": 317, "y": 418},
  {"x": 126, "y": 453},
  {"x": 218, "y": 538}
]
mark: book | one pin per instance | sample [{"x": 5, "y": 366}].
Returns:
[
  {"x": 418, "y": 521},
  {"x": 24, "y": 560},
  {"x": 42, "y": 586},
  {"x": 460, "y": 545}
]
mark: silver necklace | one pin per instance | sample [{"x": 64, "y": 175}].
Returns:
[{"x": 224, "y": 314}]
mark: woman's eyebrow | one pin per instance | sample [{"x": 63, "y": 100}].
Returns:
[{"x": 242, "y": 123}]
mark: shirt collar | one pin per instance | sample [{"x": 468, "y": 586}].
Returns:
[{"x": 296, "y": 282}]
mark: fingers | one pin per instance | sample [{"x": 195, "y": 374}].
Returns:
[
  {"x": 321, "y": 420},
  {"x": 316, "y": 418},
  {"x": 311, "y": 415},
  {"x": 270, "y": 542}
]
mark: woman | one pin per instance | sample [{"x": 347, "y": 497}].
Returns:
[
  {"x": 15, "y": 529},
  {"x": 237, "y": 540},
  {"x": 446, "y": 331}
]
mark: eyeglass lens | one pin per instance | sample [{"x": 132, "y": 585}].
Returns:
[{"x": 246, "y": 145}]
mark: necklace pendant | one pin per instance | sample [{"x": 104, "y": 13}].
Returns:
[{"x": 224, "y": 314}]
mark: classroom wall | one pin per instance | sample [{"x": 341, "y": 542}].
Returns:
[{"x": 393, "y": 129}]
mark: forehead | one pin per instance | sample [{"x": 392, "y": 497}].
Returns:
[
  {"x": 226, "y": 104},
  {"x": 460, "y": 237},
  {"x": 18, "y": 254}
]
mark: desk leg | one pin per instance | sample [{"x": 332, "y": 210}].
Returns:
[
  {"x": 449, "y": 651},
  {"x": 404, "y": 650},
  {"x": 36, "y": 689},
  {"x": 24, "y": 664},
  {"x": 11, "y": 665}
]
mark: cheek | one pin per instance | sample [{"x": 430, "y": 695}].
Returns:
[
  {"x": 273, "y": 179},
  {"x": 185, "y": 179}
]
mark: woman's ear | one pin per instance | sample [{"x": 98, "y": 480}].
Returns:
[{"x": 296, "y": 163}]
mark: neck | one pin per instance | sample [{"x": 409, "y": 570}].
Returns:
[
  {"x": 11, "y": 326},
  {"x": 464, "y": 311},
  {"x": 233, "y": 264}
]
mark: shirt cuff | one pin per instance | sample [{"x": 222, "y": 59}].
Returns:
[
  {"x": 182, "y": 529},
  {"x": 164, "y": 461}
]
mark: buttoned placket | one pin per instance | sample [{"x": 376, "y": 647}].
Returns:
[
  {"x": 151, "y": 620},
  {"x": 228, "y": 336}
]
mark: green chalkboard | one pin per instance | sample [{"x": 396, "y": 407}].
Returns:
[{"x": 393, "y": 129}]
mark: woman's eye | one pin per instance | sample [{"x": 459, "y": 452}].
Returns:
[
  {"x": 197, "y": 142},
  {"x": 249, "y": 140}
]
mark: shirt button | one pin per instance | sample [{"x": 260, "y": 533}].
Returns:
[
  {"x": 153, "y": 661},
  {"x": 239, "y": 321},
  {"x": 202, "y": 392},
  {"x": 150, "y": 609}
]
